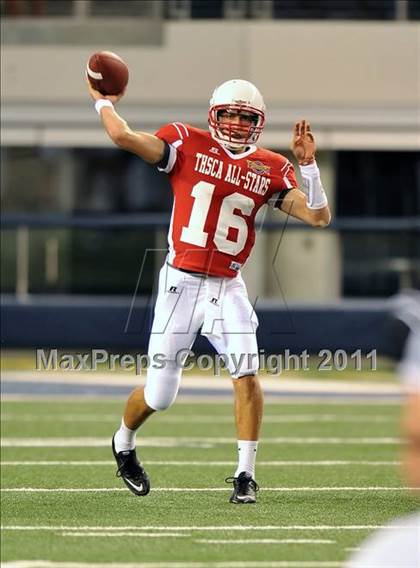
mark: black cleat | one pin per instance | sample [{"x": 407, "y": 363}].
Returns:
[
  {"x": 244, "y": 488},
  {"x": 131, "y": 471}
]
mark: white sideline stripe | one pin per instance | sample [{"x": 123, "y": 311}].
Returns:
[
  {"x": 55, "y": 463},
  {"x": 211, "y": 528},
  {"x": 186, "y": 564},
  {"x": 162, "y": 442},
  {"x": 266, "y": 541},
  {"x": 198, "y": 400},
  {"x": 204, "y": 419},
  {"x": 123, "y": 533},
  {"x": 190, "y": 489},
  {"x": 204, "y": 463},
  {"x": 99, "y": 442}
]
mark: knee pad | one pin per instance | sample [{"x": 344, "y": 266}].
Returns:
[{"x": 162, "y": 385}]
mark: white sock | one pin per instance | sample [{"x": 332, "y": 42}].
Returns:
[
  {"x": 247, "y": 452},
  {"x": 125, "y": 439}
]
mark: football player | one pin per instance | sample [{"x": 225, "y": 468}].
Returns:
[{"x": 220, "y": 179}]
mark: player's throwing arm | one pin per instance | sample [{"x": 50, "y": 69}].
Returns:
[{"x": 150, "y": 148}]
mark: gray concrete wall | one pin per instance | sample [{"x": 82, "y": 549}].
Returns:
[
  {"x": 306, "y": 63},
  {"x": 299, "y": 264}
]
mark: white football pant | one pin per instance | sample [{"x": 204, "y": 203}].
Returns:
[{"x": 186, "y": 303}]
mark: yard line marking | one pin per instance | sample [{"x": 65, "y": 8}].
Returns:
[
  {"x": 203, "y": 528},
  {"x": 190, "y": 489},
  {"x": 100, "y": 442},
  {"x": 56, "y": 463},
  {"x": 159, "y": 442},
  {"x": 266, "y": 541},
  {"x": 123, "y": 533},
  {"x": 292, "y": 399},
  {"x": 185, "y": 564},
  {"x": 205, "y": 463},
  {"x": 204, "y": 419}
]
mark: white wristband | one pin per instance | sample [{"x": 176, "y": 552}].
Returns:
[
  {"x": 101, "y": 103},
  {"x": 312, "y": 181}
]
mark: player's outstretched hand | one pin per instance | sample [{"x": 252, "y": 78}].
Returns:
[
  {"x": 303, "y": 143},
  {"x": 96, "y": 95}
]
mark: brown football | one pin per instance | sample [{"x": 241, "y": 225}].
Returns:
[{"x": 107, "y": 73}]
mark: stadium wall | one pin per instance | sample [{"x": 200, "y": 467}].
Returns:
[
  {"x": 345, "y": 64},
  {"x": 64, "y": 322},
  {"x": 354, "y": 80}
]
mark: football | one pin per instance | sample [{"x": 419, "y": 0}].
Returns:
[{"x": 107, "y": 72}]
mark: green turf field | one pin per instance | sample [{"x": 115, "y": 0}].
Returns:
[{"x": 326, "y": 470}]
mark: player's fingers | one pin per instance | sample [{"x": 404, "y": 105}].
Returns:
[
  {"x": 303, "y": 127},
  {"x": 297, "y": 129},
  {"x": 89, "y": 84},
  {"x": 308, "y": 127},
  {"x": 310, "y": 136}
]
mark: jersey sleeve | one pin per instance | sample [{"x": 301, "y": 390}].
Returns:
[
  {"x": 288, "y": 176},
  {"x": 175, "y": 135},
  {"x": 287, "y": 182}
]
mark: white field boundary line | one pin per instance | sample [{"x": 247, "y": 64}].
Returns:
[
  {"x": 321, "y": 463},
  {"x": 266, "y": 541},
  {"x": 126, "y": 533},
  {"x": 162, "y": 442},
  {"x": 198, "y": 399},
  {"x": 283, "y": 383},
  {"x": 203, "y": 540},
  {"x": 186, "y": 564},
  {"x": 205, "y": 528},
  {"x": 194, "y": 489},
  {"x": 204, "y": 419}
]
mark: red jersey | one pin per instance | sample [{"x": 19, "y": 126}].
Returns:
[{"x": 216, "y": 196}]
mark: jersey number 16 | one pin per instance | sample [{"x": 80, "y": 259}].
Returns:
[{"x": 194, "y": 233}]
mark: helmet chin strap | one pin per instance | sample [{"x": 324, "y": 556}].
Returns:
[{"x": 235, "y": 147}]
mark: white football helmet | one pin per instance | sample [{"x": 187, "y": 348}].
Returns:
[{"x": 236, "y": 95}]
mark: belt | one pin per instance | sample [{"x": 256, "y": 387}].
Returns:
[{"x": 192, "y": 272}]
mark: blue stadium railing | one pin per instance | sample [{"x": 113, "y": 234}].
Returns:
[{"x": 161, "y": 220}]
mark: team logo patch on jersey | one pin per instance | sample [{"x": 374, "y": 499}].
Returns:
[
  {"x": 258, "y": 167},
  {"x": 214, "y": 150},
  {"x": 235, "y": 265}
]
